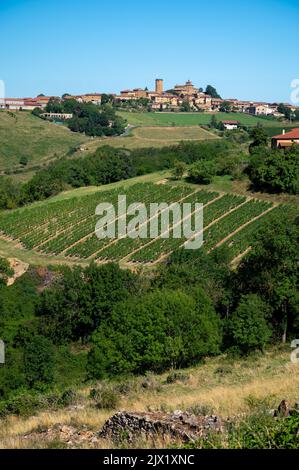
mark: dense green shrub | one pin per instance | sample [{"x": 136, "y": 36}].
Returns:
[
  {"x": 5, "y": 270},
  {"x": 107, "y": 165},
  {"x": 275, "y": 171},
  {"x": 77, "y": 303},
  {"x": 259, "y": 138},
  {"x": 248, "y": 324},
  {"x": 261, "y": 431},
  {"x": 257, "y": 431},
  {"x": 38, "y": 361},
  {"x": 203, "y": 171},
  {"x": 151, "y": 333},
  {"x": 271, "y": 271}
]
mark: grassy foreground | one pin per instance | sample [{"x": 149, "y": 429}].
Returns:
[{"x": 227, "y": 387}]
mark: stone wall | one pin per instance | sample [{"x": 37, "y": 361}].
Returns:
[{"x": 180, "y": 425}]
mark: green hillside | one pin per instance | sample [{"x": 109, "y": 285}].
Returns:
[
  {"x": 25, "y": 135},
  {"x": 196, "y": 119}
]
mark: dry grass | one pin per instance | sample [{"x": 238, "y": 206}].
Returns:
[{"x": 220, "y": 385}]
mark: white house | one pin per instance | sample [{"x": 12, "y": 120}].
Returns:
[
  {"x": 230, "y": 125},
  {"x": 62, "y": 116}
]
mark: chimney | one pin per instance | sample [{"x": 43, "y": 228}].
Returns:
[
  {"x": 284, "y": 131},
  {"x": 159, "y": 86}
]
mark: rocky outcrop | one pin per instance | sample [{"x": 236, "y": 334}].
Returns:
[
  {"x": 179, "y": 425},
  {"x": 68, "y": 435}
]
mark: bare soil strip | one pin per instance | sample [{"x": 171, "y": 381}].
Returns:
[
  {"x": 238, "y": 258},
  {"x": 242, "y": 226}
]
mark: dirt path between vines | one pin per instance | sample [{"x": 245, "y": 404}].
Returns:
[{"x": 242, "y": 227}]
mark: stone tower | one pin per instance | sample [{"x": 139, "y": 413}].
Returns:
[{"x": 159, "y": 85}]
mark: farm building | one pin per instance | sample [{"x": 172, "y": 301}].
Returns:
[
  {"x": 59, "y": 116},
  {"x": 230, "y": 125},
  {"x": 286, "y": 139}
]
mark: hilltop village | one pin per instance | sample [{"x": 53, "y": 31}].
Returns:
[{"x": 184, "y": 97}]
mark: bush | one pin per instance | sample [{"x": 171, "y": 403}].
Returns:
[
  {"x": 261, "y": 405},
  {"x": 69, "y": 397},
  {"x": 22, "y": 405},
  {"x": 223, "y": 370},
  {"x": 200, "y": 410},
  {"x": 179, "y": 170},
  {"x": 177, "y": 377},
  {"x": 150, "y": 382},
  {"x": 248, "y": 325},
  {"x": 275, "y": 171},
  {"x": 105, "y": 398},
  {"x": 38, "y": 362},
  {"x": 23, "y": 160},
  {"x": 77, "y": 303},
  {"x": 261, "y": 431},
  {"x": 203, "y": 171},
  {"x": 151, "y": 334},
  {"x": 127, "y": 386}
]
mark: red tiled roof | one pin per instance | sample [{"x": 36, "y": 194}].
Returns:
[
  {"x": 293, "y": 134},
  {"x": 230, "y": 122}
]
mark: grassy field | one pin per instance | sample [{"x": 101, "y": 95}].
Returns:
[
  {"x": 150, "y": 136},
  {"x": 196, "y": 119},
  {"x": 172, "y": 134},
  {"x": 221, "y": 385},
  {"x": 24, "y": 135}
]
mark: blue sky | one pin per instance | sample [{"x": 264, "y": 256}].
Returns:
[{"x": 247, "y": 49}]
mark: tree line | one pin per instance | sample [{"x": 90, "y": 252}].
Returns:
[
  {"x": 107, "y": 165},
  {"x": 270, "y": 170},
  {"x": 88, "y": 118}
]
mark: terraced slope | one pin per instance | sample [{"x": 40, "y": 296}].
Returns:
[{"x": 66, "y": 228}]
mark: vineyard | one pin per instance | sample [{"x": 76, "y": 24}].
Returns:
[{"x": 66, "y": 228}]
